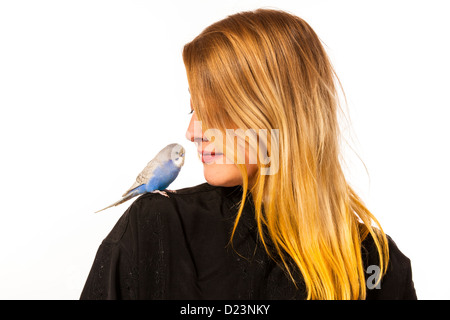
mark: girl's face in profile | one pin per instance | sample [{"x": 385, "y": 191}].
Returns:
[{"x": 217, "y": 171}]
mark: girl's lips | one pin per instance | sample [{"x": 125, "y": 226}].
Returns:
[{"x": 210, "y": 157}]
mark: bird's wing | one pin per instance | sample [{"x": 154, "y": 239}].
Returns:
[{"x": 144, "y": 176}]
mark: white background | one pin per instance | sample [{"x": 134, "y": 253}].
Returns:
[{"x": 91, "y": 90}]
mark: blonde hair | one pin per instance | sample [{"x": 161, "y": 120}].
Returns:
[{"x": 268, "y": 69}]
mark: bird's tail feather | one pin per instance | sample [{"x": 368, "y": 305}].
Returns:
[{"x": 126, "y": 198}]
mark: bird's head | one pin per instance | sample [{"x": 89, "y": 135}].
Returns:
[{"x": 177, "y": 155}]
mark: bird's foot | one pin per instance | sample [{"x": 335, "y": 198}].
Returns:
[{"x": 161, "y": 192}]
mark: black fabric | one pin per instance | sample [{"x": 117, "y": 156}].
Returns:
[{"x": 178, "y": 248}]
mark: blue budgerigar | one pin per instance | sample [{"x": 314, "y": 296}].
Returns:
[{"x": 159, "y": 173}]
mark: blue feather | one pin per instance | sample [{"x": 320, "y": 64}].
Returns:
[{"x": 159, "y": 173}]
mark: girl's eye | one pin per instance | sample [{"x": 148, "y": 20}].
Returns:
[{"x": 191, "y": 111}]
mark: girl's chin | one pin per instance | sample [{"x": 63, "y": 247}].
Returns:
[{"x": 225, "y": 175}]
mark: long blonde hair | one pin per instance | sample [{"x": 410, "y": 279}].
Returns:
[{"x": 267, "y": 69}]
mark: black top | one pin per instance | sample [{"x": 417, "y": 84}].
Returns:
[{"x": 178, "y": 248}]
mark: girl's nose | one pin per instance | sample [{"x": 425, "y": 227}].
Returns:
[
  {"x": 194, "y": 132},
  {"x": 190, "y": 134},
  {"x": 190, "y": 130}
]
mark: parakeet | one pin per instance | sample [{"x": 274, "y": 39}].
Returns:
[{"x": 159, "y": 173}]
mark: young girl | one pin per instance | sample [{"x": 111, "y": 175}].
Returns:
[{"x": 277, "y": 219}]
